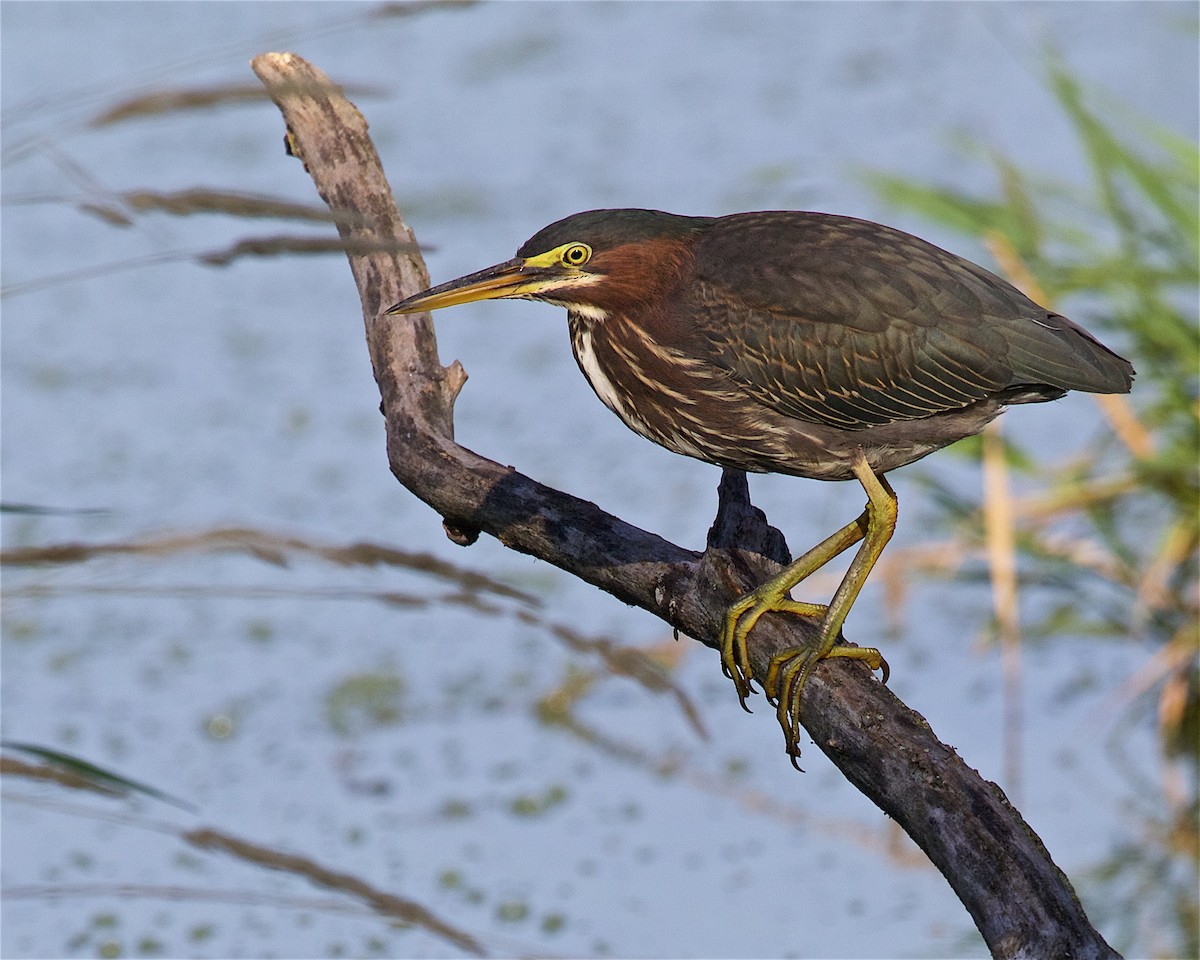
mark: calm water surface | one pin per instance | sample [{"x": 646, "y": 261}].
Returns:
[{"x": 395, "y": 737}]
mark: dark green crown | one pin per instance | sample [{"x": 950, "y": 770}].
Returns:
[{"x": 605, "y": 229}]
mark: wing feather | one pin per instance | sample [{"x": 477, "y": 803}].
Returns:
[{"x": 852, "y": 324}]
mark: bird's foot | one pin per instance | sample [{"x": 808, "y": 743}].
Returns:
[
  {"x": 788, "y": 673},
  {"x": 740, "y": 620}
]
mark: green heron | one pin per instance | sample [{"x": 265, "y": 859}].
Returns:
[{"x": 800, "y": 343}]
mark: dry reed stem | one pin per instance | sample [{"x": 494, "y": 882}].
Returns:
[{"x": 1001, "y": 543}]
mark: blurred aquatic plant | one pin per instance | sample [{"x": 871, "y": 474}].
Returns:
[
  {"x": 1116, "y": 527},
  {"x": 1132, "y": 250}
]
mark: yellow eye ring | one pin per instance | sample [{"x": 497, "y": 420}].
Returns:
[{"x": 576, "y": 254}]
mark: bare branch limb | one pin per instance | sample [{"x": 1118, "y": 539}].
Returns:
[{"x": 1022, "y": 903}]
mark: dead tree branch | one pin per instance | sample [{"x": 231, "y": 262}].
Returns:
[{"x": 1021, "y": 902}]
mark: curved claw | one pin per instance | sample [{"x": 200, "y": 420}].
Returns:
[
  {"x": 788, "y": 674},
  {"x": 795, "y": 671},
  {"x": 735, "y": 659},
  {"x": 740, "y": 683},
  {"x": 743, "y": 614}
]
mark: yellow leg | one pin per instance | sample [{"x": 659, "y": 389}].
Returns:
[
  {"x": 773, "y": 595},
  {"x": 789, "y": 670}
]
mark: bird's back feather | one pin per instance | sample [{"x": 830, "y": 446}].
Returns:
[{"x": 852, "y": 324}]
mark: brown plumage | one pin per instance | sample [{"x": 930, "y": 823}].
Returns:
[{"x": 790, "y": 342}]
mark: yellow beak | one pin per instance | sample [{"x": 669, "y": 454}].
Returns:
[{"x": 513, "y": 278}]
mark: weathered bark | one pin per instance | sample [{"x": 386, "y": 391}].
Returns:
[{"x": 1021, "y": 902}]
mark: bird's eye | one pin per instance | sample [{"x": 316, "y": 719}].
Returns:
[{"x": 576, "y": 255}]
